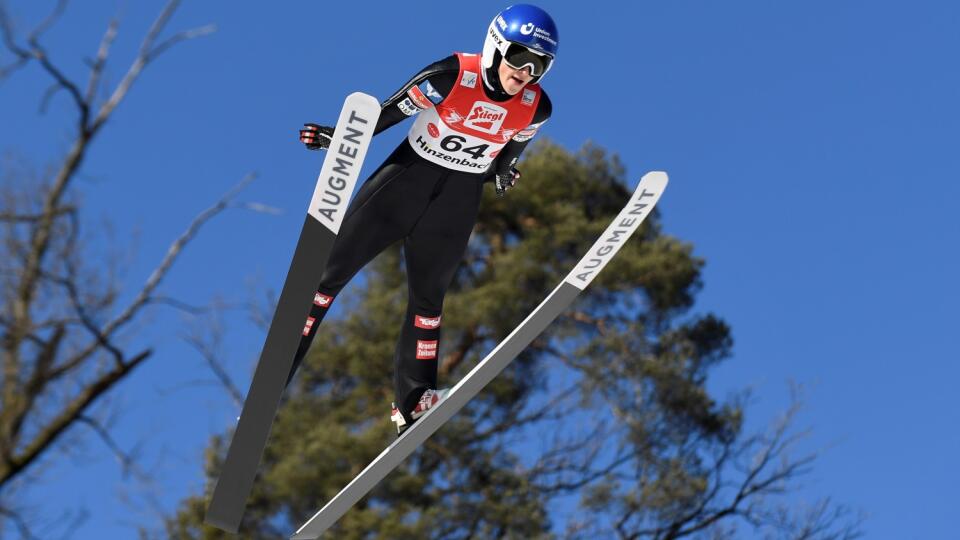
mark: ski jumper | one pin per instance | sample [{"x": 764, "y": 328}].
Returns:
[{"x": 427, "y": 194}]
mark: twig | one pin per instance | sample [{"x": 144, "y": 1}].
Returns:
[
  {"x": 147, "y": 54},
  {"x": 127, "y": 461},
  {"x": 173, "y": 252},
  {"x": 96, "y": 68},
  {"x": 19, "y": 522},
  {"x": 207, "y": 349}
]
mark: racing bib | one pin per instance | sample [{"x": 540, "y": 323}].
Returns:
[{"x": 467, "y": 130}]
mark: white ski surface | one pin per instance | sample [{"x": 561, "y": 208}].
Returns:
[{"x": 642, "y": 202}]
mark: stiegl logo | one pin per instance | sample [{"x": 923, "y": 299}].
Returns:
[{"x": 485, "y": 117}]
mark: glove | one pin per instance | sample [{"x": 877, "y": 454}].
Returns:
[
  {"x": 506, "y": 180},
  {"x": 316, "y": 137}
]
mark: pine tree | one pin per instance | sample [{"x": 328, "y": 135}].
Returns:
[{"x": 609, "y": 404}]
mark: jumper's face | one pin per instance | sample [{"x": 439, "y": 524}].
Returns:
[{"x": 513, "y": 80}]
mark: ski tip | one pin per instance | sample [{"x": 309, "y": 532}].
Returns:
[
  {"x": 366, "y": 99},
  {"x": 653, "y": 181},
  {"x": 658, "y": 177}
]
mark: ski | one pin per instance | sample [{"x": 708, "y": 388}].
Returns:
[
  {"x": 642, "y": 202},
  {"x": 338, "y": 176}
]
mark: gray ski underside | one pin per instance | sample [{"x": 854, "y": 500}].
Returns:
[{"x": 230, "y": 494}]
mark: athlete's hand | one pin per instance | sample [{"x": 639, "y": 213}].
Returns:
[
  {"x": 505, "y": 181},
  {"x": 316, "y": 137}
]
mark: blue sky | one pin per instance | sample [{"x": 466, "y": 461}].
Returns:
[{"x": 812, "y": 148}]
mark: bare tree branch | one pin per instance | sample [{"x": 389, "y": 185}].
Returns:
[
  {"x": 6, "y": 33},
  {"x": 68, "y": 415},
  {"x": 172, "y": 253},
  {"x": 206, "y": 340},
  {"x": 7, "y": 70},
  {"x": 24, "y": 218},
  {"x": 128, "y": 461},
  {"x": 178, "y": 304},
  {"x": 46, "y": 372},
  {"x": 148, "y": 52},
  {"x": 42, "y": 245},
  {"x": 181, "y": 36},
  {"x": 63, "y": 83},
  {"x": 97, "y": 66},
  {"x": 19, "y": 522},
  {"x": 49, "y": 21}
]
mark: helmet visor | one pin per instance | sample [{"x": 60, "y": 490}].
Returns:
[{"x": 518, "y": 57}]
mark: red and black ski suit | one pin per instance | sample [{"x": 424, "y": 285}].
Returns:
[{"x": 427, "y": 194}]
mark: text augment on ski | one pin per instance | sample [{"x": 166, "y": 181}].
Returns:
[
  {"x": 341, "y": 165},
  {"x": 605, "y": 248}
]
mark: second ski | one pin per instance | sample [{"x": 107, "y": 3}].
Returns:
[{"x": 641, "y": 204}]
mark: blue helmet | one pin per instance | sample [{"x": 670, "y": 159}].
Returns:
[{"x": 525, "y": 36}]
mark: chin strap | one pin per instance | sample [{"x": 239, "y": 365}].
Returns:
[{"x": 491, "y": 79}]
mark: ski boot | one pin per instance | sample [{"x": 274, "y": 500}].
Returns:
[{"x": 428, "y": 400}]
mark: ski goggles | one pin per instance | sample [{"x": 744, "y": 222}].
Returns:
[{"x": 518, "y": 57}]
